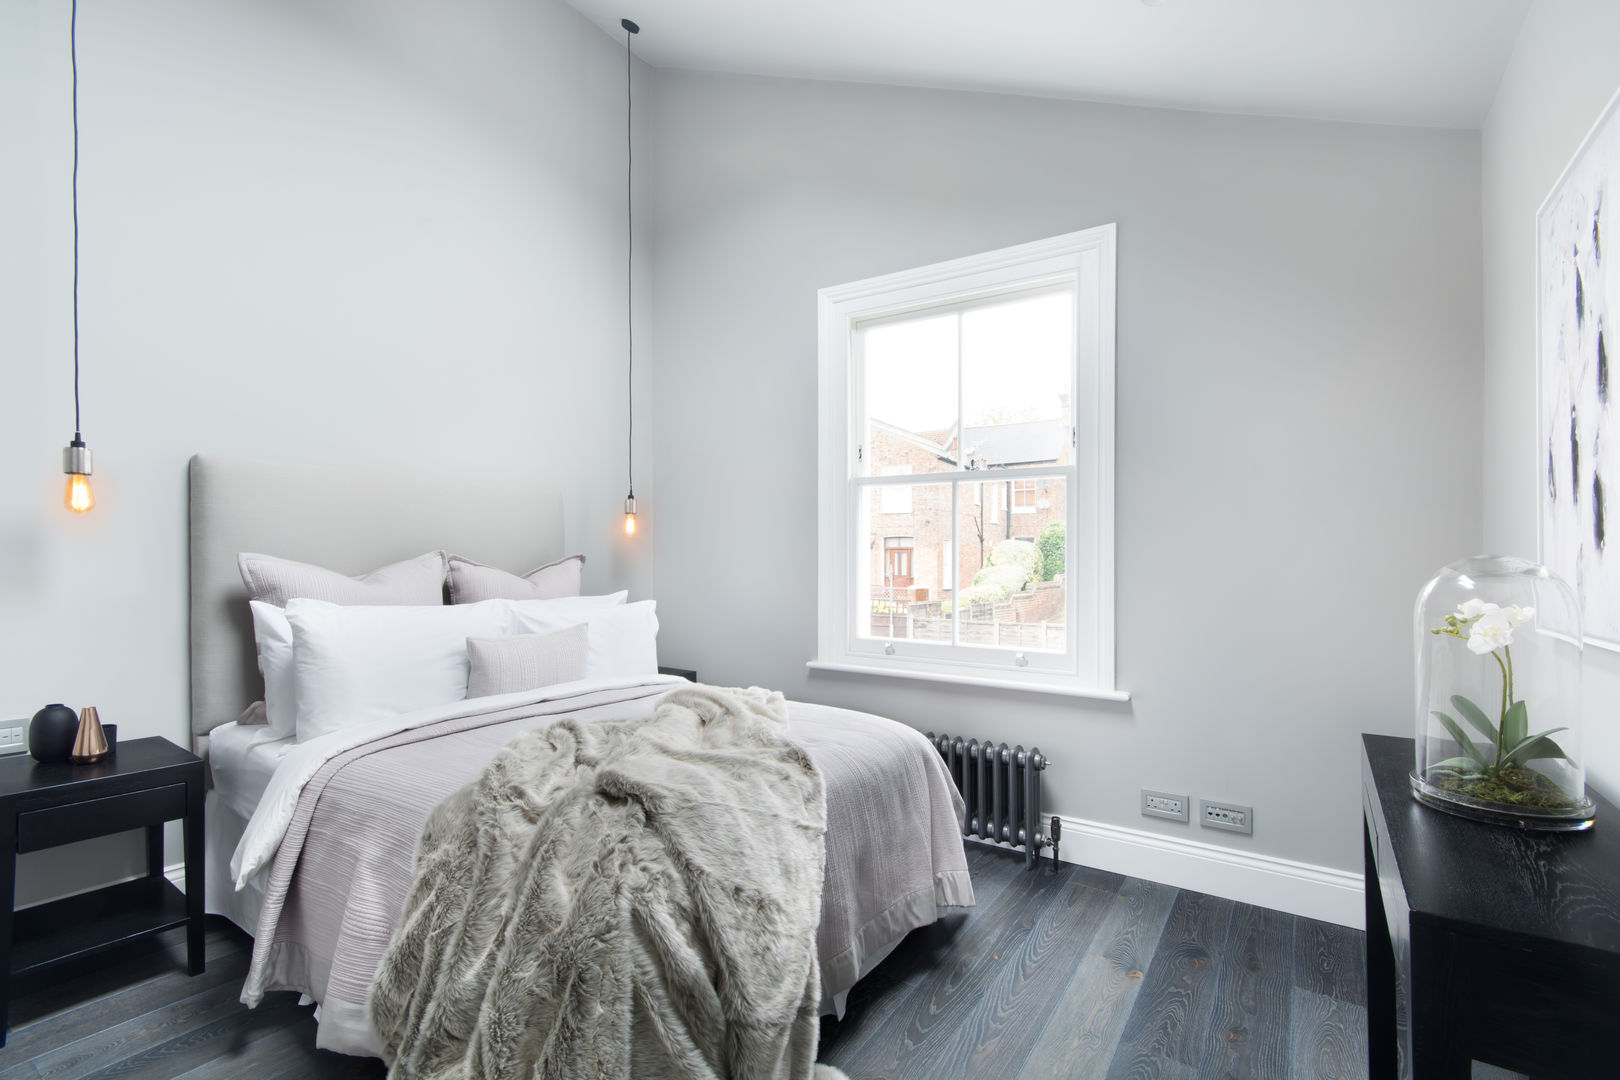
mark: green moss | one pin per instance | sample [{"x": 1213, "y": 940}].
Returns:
[{"x": 1512, "y": 787}]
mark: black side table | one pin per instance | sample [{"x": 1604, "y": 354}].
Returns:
[
  {"x": 686, "y": 673},
  {"x": 145, "y": 783},
  {"x": 1485, "y": 942}
]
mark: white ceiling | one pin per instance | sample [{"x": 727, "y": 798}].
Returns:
[{"x": 1426, "y": 62}]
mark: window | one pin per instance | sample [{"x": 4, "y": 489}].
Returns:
[{"x": 957, "y": 399}]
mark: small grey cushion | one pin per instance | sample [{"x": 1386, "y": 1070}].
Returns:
[
  {"x": 471, "y": 582},
  {"x": 415, "y": 581},
  {"x": 505, "y": 665},
  {"x": 254, "y": 715}
]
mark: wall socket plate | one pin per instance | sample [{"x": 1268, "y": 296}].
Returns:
[
  {"x": 13, "y": 736},
  {"x": 1230, "y": 816},
  {"x": 1158, "y": 804}
]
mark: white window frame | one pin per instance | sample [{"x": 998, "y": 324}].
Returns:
[
  {"x": 1085, "y": 260},
  {"x": 896, "y": 498}
]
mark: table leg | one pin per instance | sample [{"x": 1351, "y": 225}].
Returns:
[
  {"x": 194, "y": 877},
  {"x": 1381, "y": 1055},
  {"x": 1436, "y": 1053},
  {"x": 154, "y": 850},
  {"x": 8, "y": 898}
]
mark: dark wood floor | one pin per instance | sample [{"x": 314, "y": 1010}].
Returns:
[
  {"x": 1084, "y": 973},
  {"x": 1080, "y": 973}
]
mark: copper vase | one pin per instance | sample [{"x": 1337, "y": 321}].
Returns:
[{"x": 90, "y": 745}]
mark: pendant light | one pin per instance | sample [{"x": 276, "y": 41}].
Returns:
[
  {"x": 630, "y": 28},
  {"x": 76, "y": 456}
]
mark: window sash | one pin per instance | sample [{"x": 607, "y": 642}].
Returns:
[{"x": 984, "y": 658}]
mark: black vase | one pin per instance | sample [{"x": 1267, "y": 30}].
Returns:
[{"x": 51, "y": 733}]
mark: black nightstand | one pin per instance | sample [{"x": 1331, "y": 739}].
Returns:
[
  {"x": 686, "y": 673},
  {"x": 145, "y": 783},
  {"x": 1483, "y": 942}
]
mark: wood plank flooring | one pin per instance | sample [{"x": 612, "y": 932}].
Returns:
[{"x": 1078, "y": 973}]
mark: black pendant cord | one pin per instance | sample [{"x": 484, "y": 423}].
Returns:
[
  {"x": 73, "y": 52},
  {"x": 629, "y": 260}
]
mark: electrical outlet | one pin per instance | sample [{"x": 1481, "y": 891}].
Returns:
[
  {"x": 1158, "y": 804},
  {"x": 1230, "y": 816},
  {"x": 13, "y": 736}
]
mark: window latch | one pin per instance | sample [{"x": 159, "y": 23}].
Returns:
[
  {"x": 1021, "y": 660},
  {"x": 860, "y": 453},
  {"x": 888, "y": 650}
]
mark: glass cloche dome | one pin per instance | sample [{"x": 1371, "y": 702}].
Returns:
[{"x": 1499, "y": 695}]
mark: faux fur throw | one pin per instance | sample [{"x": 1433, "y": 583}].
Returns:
[{"x": 633, "y": 898}]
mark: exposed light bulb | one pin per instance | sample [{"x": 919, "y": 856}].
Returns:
[
  {"x": 80, "y": 499},
  {"x": 76, "y": 463},
  {"x": 630, "y": 516}
]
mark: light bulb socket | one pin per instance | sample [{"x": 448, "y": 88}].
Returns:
[
  {"x": 630, "y": 506},
  {"x": 76, "y": 458}
]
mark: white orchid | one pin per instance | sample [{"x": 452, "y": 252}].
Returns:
[
  {"x": 1491, "y": 631},
  {"x": 1487, "y": 628},
  {"x": 1490, "y": 626}
]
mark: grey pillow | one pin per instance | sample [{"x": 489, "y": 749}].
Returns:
[
  {"x": 505, "y": 665},
  {"x": 275, "y": 581},
  {"x": 472, "y": 582}
]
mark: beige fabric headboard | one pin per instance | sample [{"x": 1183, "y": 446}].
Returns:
[{"x": 347, "y": 521}]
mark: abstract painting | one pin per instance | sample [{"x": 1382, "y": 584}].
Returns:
[{"x": 1578, "y": 306}]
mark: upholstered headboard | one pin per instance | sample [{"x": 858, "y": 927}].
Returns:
[{"x": 352, "y": 522}]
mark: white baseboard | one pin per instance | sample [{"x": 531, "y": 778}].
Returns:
[
  {"x": 176, "y": 873},
  {"x": 1317, "y": 892}
]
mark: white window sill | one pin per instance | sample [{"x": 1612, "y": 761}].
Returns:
[{"x": 1057, "y": 689}]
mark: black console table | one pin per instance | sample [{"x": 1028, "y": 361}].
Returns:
[
  {"x": 145, "y": 783},
  {"x": 1485, "y": 942}
]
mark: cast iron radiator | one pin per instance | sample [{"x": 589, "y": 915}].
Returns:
[{"x": 1002, "y": 792}]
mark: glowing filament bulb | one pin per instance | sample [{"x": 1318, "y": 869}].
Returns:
[
  {"x": 630, "y": 516},
  {"x": 76, "y": 463},
  {"x": 80, "y": 499}
]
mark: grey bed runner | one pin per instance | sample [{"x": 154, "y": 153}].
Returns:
[{"x": 337, "y": 887}]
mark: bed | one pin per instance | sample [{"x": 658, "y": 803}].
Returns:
[{"x": 324, "y": 841}]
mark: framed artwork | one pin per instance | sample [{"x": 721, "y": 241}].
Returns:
[{"x": 1577, "y": 312}]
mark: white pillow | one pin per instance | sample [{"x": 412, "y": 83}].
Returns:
[
  {"x": 623, "y": 638},
  {"x": 576, "y": 606},
  {"x": 354, "y": 664},
  {"x": 274, "y": 637}
]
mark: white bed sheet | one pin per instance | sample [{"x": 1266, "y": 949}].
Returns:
[
  {"x": 222, "y": 831},
  {"x": 243, "y": 759}
]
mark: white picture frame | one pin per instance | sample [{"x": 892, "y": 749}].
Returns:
[{"x": 1577, "y": 393}]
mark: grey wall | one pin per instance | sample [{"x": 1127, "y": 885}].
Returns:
[
  {"x": 381, "y": 235},
  {"x": 1298, "y": 371},
  {"x": 1563, "y": 72}
]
